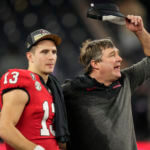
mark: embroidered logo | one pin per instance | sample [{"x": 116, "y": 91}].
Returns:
[
  {"x": 38, "y": 86},
  {"x": 33, "y": 76},
  {"x": 91, "y": 89},
  {"x": 117, "y": 85}
]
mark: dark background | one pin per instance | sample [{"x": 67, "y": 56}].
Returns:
[{"x": 68, "y": 19}]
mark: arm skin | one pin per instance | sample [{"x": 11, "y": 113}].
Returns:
[
  {"x": 135, "y": 24},
  {"x": 14, "y": 103}
]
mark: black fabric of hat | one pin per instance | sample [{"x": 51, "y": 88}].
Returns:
[
  {"x": 97, "y": 11},
  {"x": 39, "y": 35}
]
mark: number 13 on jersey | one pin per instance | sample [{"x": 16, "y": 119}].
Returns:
[{"x": 45, "y": 131}]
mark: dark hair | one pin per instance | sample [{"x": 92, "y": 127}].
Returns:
[{"x": 92, "y": 50}]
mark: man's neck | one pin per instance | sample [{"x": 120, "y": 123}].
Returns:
[
  {"x": 100, "y": 79},
  {"x": 43, "y": 75}
]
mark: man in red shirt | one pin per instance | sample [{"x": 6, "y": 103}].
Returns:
[{"x": 30, "y": 98}]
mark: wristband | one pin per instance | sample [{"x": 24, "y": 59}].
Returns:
[{"x": 38, "y": 147}]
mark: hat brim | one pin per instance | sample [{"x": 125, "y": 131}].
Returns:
[
  {"x": 114, "y": 13},
  {"x": 52, "y": 37},
  {"x": 106, "y": 9}
]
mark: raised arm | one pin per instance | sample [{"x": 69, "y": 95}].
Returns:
[{"x": 135, "y": 24}]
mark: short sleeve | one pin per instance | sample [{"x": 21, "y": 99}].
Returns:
[{"x": 15, "y": 79}]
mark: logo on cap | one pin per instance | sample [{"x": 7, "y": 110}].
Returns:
[{"x": 38, "y": 36}]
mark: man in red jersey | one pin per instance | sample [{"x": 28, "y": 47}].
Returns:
[{"x": 31, "y": 98}]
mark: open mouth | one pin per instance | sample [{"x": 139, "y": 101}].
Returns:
[{"x": 117, "y": 67}]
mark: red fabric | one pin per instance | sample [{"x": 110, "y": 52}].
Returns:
[
  {"x": 2, "y": 146},
  {"x": 143, "y": 145},
  {"x": 36, "y": 122}
]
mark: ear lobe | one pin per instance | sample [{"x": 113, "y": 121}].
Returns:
[
  {"x": 94, "y": 64},
  {"x": 29, "y": 56}
]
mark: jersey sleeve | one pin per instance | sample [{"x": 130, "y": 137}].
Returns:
[{"x": 15, "y": 79}]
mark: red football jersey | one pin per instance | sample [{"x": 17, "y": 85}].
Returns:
[{"x": 36, "y": 122}]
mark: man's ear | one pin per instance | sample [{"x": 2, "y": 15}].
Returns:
[
  {"x": 94, "y": 64},
  {"x": 29, "y": 56}
]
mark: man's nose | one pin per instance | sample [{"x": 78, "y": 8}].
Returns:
[
  {"x": 51, "y": 55},
  {"x": 119, "y": 58}
]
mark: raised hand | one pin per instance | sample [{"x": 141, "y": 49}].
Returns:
[{"x": 134, "y": 23}]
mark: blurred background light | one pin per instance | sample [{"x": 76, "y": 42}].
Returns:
[
  {"x": 52, "y": 26},
  {"x": 78, "y": 34},
  {"x": 69, "y": 20},
  {"x": 9, "y": 27},
  {"x": 56, "y": 2},
  {"x": 20, "y": 5},
  {"x": 36, "y": 2},
  {"x": 30, "y": 20}
]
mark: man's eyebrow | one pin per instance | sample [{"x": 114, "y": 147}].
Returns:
[
  {"x": 53, "y": 48},
  {"x": 45, "y": 50},
  {"x": 113, "y": 51}
]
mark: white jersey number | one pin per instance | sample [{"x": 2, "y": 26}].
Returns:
[
  {"x": 14, "y": 78},
  {"x": 45, "y": 131}
]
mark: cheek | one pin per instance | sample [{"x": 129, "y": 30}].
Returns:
[
  {"x": 56, "y": 57},
  {"x": 42, "y": 59},
  {"x": 105, "y": 68},
  {"x": 39, "y": 61},
  {"x": 110, "y": 63},
  {"x": 108, "y": 66}
]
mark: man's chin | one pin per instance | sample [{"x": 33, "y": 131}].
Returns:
[
  {"x": 48, "y": 72},
  {"x": 118, "y": 76}
]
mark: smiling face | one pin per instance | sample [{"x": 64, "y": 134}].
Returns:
[
  {"x": 109, "y": 66},
  {"x": 42, "y": 58}
]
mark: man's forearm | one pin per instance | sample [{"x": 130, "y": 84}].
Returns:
[
  {"x": 15, "y": 139},
  {"x": 144, "y": 38}
]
